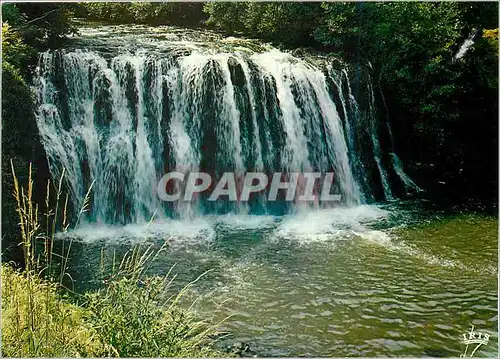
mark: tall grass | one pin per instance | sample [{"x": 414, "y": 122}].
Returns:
[
  {"x": 139, "y": 315},
  {"x": 37, "y": 322},
  {"x": 133, "y": 314}
]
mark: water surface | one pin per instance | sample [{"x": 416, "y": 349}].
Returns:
[{"x": 363, "y": 281}]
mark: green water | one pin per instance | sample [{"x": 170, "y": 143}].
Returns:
[{"x": 368, "y": 281}]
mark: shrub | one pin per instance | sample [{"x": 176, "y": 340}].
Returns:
[
  {"x": 36, "y": 322},
  {"x": 137, "y": 316}
]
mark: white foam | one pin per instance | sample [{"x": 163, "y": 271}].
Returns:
[
  {"x": 326, "y": 224},
  {"x": 238, "y": 222},
  {"x": 174, "y": 231},
  {"x": 377, "y": 237},
  {"x": 304, "y": 227}
]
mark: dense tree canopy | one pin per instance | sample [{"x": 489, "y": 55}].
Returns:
[
  {"x": 152, "y": 13},
  {"x": 281, "y": 22}
]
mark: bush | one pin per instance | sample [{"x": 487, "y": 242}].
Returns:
[
  {"x": 35, "y": 322},
  {"x": 137, "y": 316},
  {"x": 136, "y": 320}
]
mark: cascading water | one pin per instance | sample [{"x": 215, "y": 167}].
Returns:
[
  {"x": 121, "y": 106},
  {"x": 122, "y": 118}
]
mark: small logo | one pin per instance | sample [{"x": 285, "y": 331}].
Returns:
[{"x": 473, "y": 337}]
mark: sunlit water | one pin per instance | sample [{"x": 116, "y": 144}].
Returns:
[{"x": 364, "y": 281}]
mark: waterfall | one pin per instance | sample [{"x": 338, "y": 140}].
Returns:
[
  {"x": 377, "y": 152},
  {"x": 466, "y": 45},
  {"x": 123, "y": 119},
  {"x": 407, "y": 181}
]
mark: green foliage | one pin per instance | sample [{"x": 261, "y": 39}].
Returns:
[
  {"x": 17, "y": 111},
  {"x": 486, "y": 58},
  {"x": 45, "y": 24},
  {"x": 285, "y": 22},
  {"x": 152, "y": 13},
  {"x": 30, "y": 27},
  {"x": 138, "y": 318},
  {"x": 389, "y": 34},
  {"x": 13, "y": 48},
  {"x": 18, "y": 134},
  {"x": 126, "y": 318},
  {"x": 227, "y": 16},
  {"x": 282, "y": 22},
  {"x": 491, "y": 36},
  {"x": 40, "y": 24},
  {"x": 12, "y": 14},
  {"x": 36, "y": 322},
  {"x": 112, "y": 11}
]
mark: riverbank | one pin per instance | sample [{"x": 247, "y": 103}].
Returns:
[
  {"x": 129, "y": 316},
  {"x": 130, "y": 313}
]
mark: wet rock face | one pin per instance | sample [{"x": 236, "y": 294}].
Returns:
[{"x": 237, "y": 75}]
